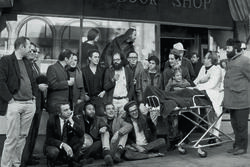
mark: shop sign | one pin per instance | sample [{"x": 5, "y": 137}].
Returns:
[
  {"x": 197, "y": 4},
  {"x": 143, "y": 2}
]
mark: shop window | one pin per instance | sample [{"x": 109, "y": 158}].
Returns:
[{"x": 40, "y": 33}]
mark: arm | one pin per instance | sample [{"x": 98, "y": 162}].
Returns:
[
  {"x": 245, "y": 69},
  {"x": 126, "y": 127},
  {"x": 169, "y": 85},
  {"x": 50, "y": 135},
  {"x": 213, "y": 80},
  {"x": 109, "y": 81},
  {"x": 198, "y": 78},
  {"x": 53, "y": 80},
  {"x": 4, "y": 90},
  {"x": 138, "y": 88}
]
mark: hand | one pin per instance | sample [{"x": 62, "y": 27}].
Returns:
[
  {"x": 141, "y": 149},
  {"x": 134, "y": 81},
  {"x": 87, "y": 98},
  {"x": 79, "y": 101},
  {"x": 115, "y": 137},
  {"x": 103, "y": 130},
  {"x": 116, "y": 77},
  {"x": 70, "y": 82},
  {"x": 11, "y": 101},
  {"x": 101, "y": 94},
  {"x": 67, "y": 149},
  {"x": 70, "y": 119},
  {"x": 42, "y": 87},
  {"x": 143, "y": 109}
]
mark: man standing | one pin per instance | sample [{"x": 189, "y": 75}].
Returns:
[
  {"x": 237, "y": 94},
  {"x": 118, "y": 83},
  {"x": 196, "y": 63},
  {"x": 59, "y": 81},
  {"x": 17, "y": 100},
  {"x": 136, "y": 68},
  {"x": 27, "y": 157},
  {"x": 93, "y": 78}
]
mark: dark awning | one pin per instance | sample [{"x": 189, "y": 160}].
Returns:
[{"x": 200, "y": 13}]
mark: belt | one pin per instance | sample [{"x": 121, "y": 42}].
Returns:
[{"x": 121, "y": 97}]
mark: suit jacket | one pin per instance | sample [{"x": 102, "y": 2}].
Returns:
[
  {"x": 109, "y": 85},
  {"x": 10, "y": 79},
  {"x": 58, "y": 90},
  {"x": 237, "y": 83},
  {"x": 54, "y": 135}
]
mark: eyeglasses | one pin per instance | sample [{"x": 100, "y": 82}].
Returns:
[
  {"x": 116, "y": 59},
  {"x": 133, "y": 58},
  {"x": 34, "y": 51}
]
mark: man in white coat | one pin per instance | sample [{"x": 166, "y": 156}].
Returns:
[{"x": 210, "y": 80}]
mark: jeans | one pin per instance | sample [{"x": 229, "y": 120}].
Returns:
[{"x": 19, "y": 117}]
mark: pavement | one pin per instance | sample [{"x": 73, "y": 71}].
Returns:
[{"x": 216, "y": 156}]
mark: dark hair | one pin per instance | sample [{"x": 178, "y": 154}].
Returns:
[
  {"x": 92, "y": 34},
  {"x": 176, "y": 70},
  {"x": 155, "y": 59},
  {"x": 65, "y": 53},
  {"x": 87, "y": 104},
  {"x": 58, "y": 106},
  {"x": 176, "y": 56},
  {"x": 195, "y": 53},
  {"x": 213, "y": 56},
  {"x": 32, "y": 43},
  {"x": 132, "y": 51},
  {"x": 129, "y": 32},
  {"x": 107, "y": 104},
  {"x": 90, "y": 52},
  {"x": 20, "y": 41},
  {"x": 235, "y": 43}
]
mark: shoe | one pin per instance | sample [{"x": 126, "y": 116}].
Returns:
[
  {"x": 239, "y": 152},
  {"x": 117, "y": 157},
  {"x": 32, "y": 162},
  {"x": 108, "y": 160},
  {"x": 231, "y": 150}
]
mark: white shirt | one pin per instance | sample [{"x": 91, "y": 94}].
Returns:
[
  {"x": 121, "y": 84},
  {"x": 140, "y": 136}
]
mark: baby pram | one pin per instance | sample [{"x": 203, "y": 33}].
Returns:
[{"x": 157, "y": 101}]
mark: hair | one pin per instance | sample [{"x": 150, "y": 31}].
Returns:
[
  {"x": 92, "y": 34},
  {"x": 235, "y": 43},
  {"x": 155, "y": 59},
  {"x": 20, "y": 41},
  {"x": 32, "y": 43},
  {"x": 129, "y": 32},
  {"x": 107, "y": 104},
  {"x": 176, "y": 56},
  {"x": 213, "y": 56},
  {"x": 132, "y": 51},
  {"x": 77, "y": 55},
  {"x": 90, "y": 52},
  {"x": 58, "y": 106},
  {"x": 177, "y": 70},
  {"x": 65, "y": 53},
  {"x": 195, "y": 53},
  {"x": 87, "y": 104},
  {"x": 121, "y": 56}
]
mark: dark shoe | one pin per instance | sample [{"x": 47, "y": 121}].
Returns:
[
  {"x": 231, "y": 150},
  {"x": 117, "y": 157},
  {"x": 86, "y": 161},
  {"x": 32, "y": 162},
  {"x": 108, "y": 160},
  {"x": 239, "y": 152}
]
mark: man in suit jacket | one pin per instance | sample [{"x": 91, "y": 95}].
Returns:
[
  {"x": 17, "y": 100},
  {"x": 63, "y": 137},
  {"x": 59, "y": 81}
]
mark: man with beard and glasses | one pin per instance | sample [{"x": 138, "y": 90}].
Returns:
[
  {"x": 237, "y": 94},
  {"x": 118, "y": 83}
]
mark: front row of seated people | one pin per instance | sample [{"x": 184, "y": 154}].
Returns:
[{"x": 76, "y": 138}]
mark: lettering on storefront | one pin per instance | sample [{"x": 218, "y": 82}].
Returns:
[
  {"x": 143, "y": 2},
  {"x": 197, "y": 4}
]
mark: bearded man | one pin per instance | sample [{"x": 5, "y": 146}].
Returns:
[
  {"x": 237, "y": 94},
  {"x": 118, "y": 83}
]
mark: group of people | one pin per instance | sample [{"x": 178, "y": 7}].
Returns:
[{"x": 99, "y": 110}]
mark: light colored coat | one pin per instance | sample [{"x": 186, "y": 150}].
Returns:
[{"x": 211, "y": 83}]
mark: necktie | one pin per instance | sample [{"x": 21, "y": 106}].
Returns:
[{"x": 65, "y": 132}]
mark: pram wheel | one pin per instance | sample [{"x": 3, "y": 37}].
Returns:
[
  {"x": 182, "y": 150},
  {"x": 202, "y": 153}
]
